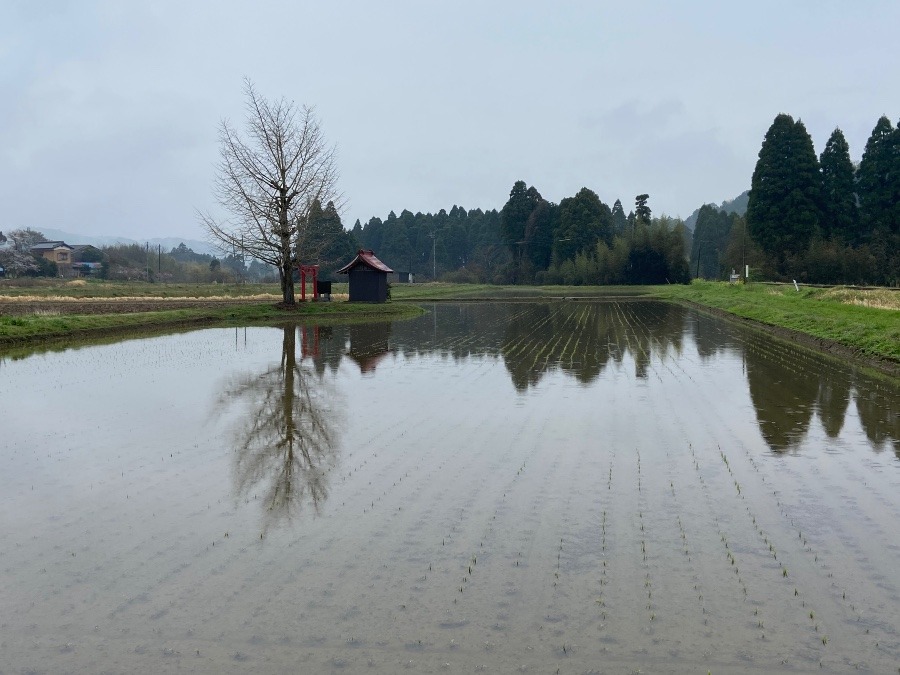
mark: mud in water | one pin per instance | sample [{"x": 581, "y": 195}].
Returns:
[{"x": 523, "y": 487}]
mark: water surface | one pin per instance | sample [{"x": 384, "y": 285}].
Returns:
[{"x": 582, "y": 486}]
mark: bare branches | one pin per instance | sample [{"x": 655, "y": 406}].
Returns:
[{"x": 269, "y": 178}]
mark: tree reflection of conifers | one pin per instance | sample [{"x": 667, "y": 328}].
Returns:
[
  {"x": 789, "y": 385},
  {"x": 581, "y": 338},
  {"x": 285, "y": 448}
]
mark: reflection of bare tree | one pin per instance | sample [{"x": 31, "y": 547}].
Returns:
[{"x": 287, "y": 445}]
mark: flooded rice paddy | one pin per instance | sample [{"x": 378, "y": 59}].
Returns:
[{"x": 567, "y": 487}]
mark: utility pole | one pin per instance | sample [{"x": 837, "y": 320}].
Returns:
[
  {"x": 433, "y": 236},
  {"x": 744, "y": 248}
]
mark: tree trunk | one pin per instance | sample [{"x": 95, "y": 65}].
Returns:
[
  {"x": 286, "y": 272},
  {"x": 287, "y": 269}
]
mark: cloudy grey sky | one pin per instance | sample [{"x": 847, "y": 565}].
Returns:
[{"x": 110, "y": 108}]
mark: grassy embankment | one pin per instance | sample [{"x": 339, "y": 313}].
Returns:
[
  {"x": 252, "y": 305},
  {"x": 864, "y": 321}
]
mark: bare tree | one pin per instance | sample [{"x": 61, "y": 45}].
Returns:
[
  {"x": 269, "y": 180},
  {"x": 286, "y": 445}
]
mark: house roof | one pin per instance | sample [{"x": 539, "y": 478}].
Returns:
[
  {"x": 367, "y": 258},
  {"x": 50, "y": 246}
]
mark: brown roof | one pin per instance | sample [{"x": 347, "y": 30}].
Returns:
[{"x": 367, "y": 258}]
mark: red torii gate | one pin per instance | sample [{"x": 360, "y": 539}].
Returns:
[
  {"x": 313, "y": 272},
  {"x": 309, "y": 344}
]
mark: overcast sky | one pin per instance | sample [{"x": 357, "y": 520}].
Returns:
[{"x": 110, "y": 110}]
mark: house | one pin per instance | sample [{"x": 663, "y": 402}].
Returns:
[
  {"x": 77, "y": 260},
  {"x": 368, "y": 277},
  {"x": 87, "y": 269},
  {"x": 55, "y": 251},
  {"x": 86, "y": 260},
  {"x": 86, "y": 253}
]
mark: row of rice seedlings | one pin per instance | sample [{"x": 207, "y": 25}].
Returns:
[
  {"x": 567, "y": 354},
  {"x": 651, "y": 337},
  {"x": 686, "y": 550},
  {"x": 728, "y": 553},
  {"x": 644, "y": 536},
  {"x": 817, "y": 557},
  {"x": 525, "y": 344},
  {"x": 470, "y": 564},
  {"x": 571, "y": 331},
  {"x": 604, "y": 560},
  {"x": 627, "y": 325},
  {"x": 888, "y": 507},
  {"x": 442, "y": 567},
  {"x": 813, "y": 621},
  {"x": 558, "y": 578},
  {"x": 818, "y": 562},
  {"x": 399, "y": 461},
  {"x": 476, "y": 552},
  {"x": 604, "y": 552},
  {"x": 739, "y": 492}
]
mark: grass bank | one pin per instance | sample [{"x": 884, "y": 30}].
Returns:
[
  {"x": 24, "y": 329},
  {"x": 865, "y": 322}
]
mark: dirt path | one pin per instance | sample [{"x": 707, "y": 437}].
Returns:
[{"x": 115, "y": 305}]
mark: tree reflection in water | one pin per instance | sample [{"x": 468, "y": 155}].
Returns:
[
  {"x": 581, "y": 338},
  {"x": 878, "y": 407},
  {"x": 288, "y": 444},
  {"x": 285, "y": 447},
  {"x": 789, "y": 386}
]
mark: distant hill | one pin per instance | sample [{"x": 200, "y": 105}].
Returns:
[
  {"x": 167, "y": 243},
  {"x": 737, "y": 205}
]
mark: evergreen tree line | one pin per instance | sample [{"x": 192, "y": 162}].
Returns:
[
  {"x": 458, "y": 245},
  {"x": 814, "y": 219},
  {"x": 581, "y": 240},
  {"x": 822, "y": 219}
]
